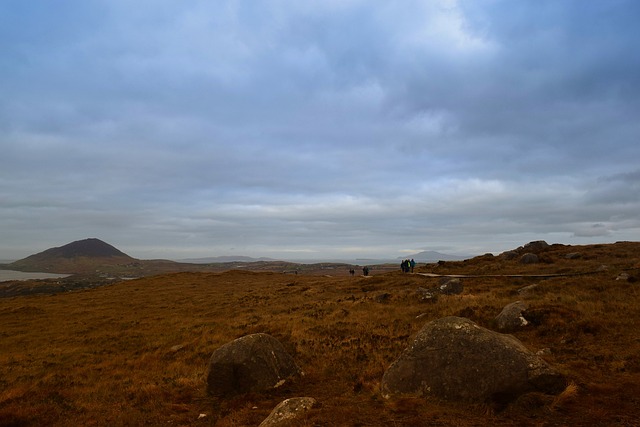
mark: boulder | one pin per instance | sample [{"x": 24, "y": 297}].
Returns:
[
  {"x": 529, "y": 258},
  {"x": 510, "y": 318},
  {"x": 450, "y": 286},
  {"x": 455, "y": 359},
  {"x": 288, "y": 411},
  {"x": 252, "y": 363}
]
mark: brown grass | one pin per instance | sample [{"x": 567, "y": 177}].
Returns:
[{"x": 136, "y": 352}]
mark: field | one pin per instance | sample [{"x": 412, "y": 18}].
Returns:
[{"x": 136, "y": 352}]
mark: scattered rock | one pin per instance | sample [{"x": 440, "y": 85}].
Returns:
[
  {"x": 450, "y": 286},
  {"x": 256, "y": 362},
  {"x": 529, "y": 258},
  {"x": 455, "y": 359},
  {"x": 626, "y": 277},
  {"x": 528, "y": 290},
  {"x": 426, "y": 295},
  {"x": 176, "y": 348},
  {"x": 509, "y": 255},
  {"x": 544, "y": 352},
  {"x": 510, "y": 318},
  {"x": 288, "y": 411},
  {"x": 573, "y": 255},
  {"x": 382, "y": 298}
]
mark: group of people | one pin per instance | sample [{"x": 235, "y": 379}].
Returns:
[
  {"x": 407, "y": 265},
  {"x": 365, "y": 271}
]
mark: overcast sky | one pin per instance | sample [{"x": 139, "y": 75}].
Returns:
[{"x": 318, "y": 128}]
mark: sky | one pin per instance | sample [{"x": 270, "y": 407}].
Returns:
[{"x": 318, "y": 129}]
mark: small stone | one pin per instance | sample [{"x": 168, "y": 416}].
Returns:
[{"x": 288, "y": 411}]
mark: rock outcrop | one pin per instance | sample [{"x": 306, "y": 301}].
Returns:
[
  {"x": 536, "y": 246},
  {"x": 455, "y": 359},
  {"x": 531, "y": 248},
  {"x": 256, "y": 362}
]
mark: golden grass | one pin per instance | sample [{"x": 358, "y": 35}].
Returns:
[
  {"x": 569, "y": 394},
  {"x": 136, "y": 352}
]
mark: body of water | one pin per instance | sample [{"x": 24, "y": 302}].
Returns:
[{"x": 6, "y": 275}]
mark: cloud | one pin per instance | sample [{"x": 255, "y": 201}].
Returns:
[{"x": 317, "y": 127}]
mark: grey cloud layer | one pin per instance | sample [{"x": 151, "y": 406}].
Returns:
[{"x": 318, "y": 127}]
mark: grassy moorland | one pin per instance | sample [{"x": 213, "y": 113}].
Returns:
[{"x": 135, "y": 352}]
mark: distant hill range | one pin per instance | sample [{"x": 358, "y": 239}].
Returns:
[
  {"x": 73, "y": 257},
  {"x": 222, "y": 259},
  {"x": 433, "y": 256},
  {"x": 97, "y": 259}
]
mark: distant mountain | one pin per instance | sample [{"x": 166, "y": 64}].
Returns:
[
  {"x": 79, "y": 255},
  {"x": 433, "y": 256},
  {"x": 227, "y": 258},
  {"x": 92, "y": 248}
]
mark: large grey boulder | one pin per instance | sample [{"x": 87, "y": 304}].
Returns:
[
  {"x": 455, "y": 359},
  {"x": 256, "y": 362},
  {"x": 511, "y": 318},
  {"x": 288, "y": 411}
]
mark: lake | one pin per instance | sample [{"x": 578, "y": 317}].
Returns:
[{"x": 21, "y": 275}]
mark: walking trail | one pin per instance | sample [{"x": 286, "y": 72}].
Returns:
[{"x": 548, "y": 275}]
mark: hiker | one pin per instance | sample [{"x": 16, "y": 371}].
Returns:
[
  {"x": 412, "y": 263},
  {"x": 365, "y": 270},
  {"x": 352, "y": 272},
  {"x": 405, "y": 266}
]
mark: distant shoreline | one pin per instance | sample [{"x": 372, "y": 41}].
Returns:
[{"x": 8, "y": 275}]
